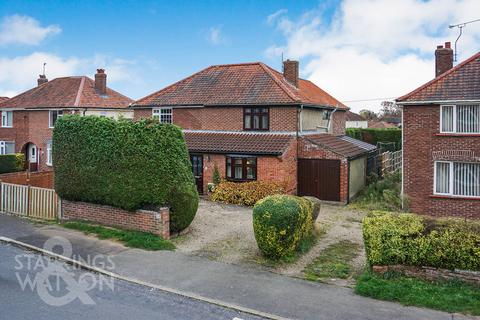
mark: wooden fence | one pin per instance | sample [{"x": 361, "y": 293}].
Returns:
[
  {"x": 391, "y": 162},
  {"x": 39, "y": 203}
]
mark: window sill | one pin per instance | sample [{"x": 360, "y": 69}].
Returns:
[
  {"x": 457, "y": 134},
  {"x": 437, "y": 196},
  {"x": 5, "y": 127},
  {"x": 240, "y": 180}
]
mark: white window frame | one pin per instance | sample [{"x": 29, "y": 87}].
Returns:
[
  {"x": 3, "y": 147},
  {"x": 49, "y": 161},
  {"x": 455, "y": 131},
  {"x": 451, "y": 184},
  {"x": 5, "y": 115},
  {"x": 59, "y": 115},
  {"x": 158, "y": 112}
]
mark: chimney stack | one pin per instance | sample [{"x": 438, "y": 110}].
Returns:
[
  {"x": 290, "y": 71},
  {"x": 42, "y": 79},
  {"x": 101, "y": 81},
  {"x": 443, "y": 59}
]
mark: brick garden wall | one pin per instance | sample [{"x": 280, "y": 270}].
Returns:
[
  {"x": 142, "y": 220},
  {"x": 43, "y": 179},
  {"x": 423, "y": 145}
]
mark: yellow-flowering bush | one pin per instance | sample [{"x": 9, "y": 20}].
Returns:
[
  {"x": 280, "y": 223},
  {"x": 246, "y": 193},
  {"x": 421, "y": 241}
]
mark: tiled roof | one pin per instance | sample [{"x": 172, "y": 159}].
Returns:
[
  {"x": 380, "y": 125},
  {"x": 67, "y": 92},
  {"x": 3, "y": 99},
  {"x": 239, "y": 84},
  {"x": 351, "y": 116},
  {"x": 237, "y": 142},
  {"x": 459, "y": 83},
  {"x": 359, "y": 143},
  {"x": 337, "y": 144}
]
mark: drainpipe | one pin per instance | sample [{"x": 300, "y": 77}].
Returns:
[{"x": 331, "y": 118}]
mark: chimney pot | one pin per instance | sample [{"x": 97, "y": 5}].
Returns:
[
  {"x": 291, "y": 72},
  {"x": 101, "y": 81},
  {"x": 42, "y": 79},
  {"x": 443, "y": 59}
]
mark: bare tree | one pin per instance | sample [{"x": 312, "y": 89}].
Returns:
[
  {"x": 389, "y": 110},
  {"x": 368, "y": 114}
]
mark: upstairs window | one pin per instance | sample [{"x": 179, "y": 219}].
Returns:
[
  {"x": 53, "y": 116},
  {"x": 460, "y": 119},
  {"x": 457, "y": 179},
  {"x": 7, "y": 119},
  {"x": 256, "y": 119},
  {"x": 7, "y": 147},
  {"x": 241, "y": 168},
  {"x": 163, "y": 115}
]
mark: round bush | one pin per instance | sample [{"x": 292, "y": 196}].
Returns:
[
  {"x": 183, "y": 207},
  {"x": 280, "y": 222}
]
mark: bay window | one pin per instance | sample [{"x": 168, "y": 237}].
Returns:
[
  {"x": 256, "y": 119},
  {"x": 457, "y": 178},
  {"x": 463, "y": 119},
  {"x": 241, "y": 168},
  {"x": 163, "y": 115},
  {"x": 7, "y": 119}
]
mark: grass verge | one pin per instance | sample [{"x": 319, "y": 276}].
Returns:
[
  {"x": 450, "y": 296},
  {"x": 333, "y": 262},
  {"x": 131, "y": 238}
]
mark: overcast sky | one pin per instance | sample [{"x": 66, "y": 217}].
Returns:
[{"x": 367, "y": 50}]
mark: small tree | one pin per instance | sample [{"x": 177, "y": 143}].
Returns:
[{"x": 216, "y": 175}]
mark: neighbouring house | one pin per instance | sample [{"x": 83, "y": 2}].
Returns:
[
  {"x": 2, "y": 99},
  {"x": 28, "y": 118},
  {"x": 354, "y": 120},
  {"x": 441, "y": 139},
  {"x": 255, "y": 123},
  {"x": 380, "y": 125}
]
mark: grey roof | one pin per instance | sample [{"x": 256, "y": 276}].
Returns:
[{"x": 364, "y": 145}]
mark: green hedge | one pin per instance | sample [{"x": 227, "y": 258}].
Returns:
[
  {"x": 246, "y": 193},
  {"x": 126, "y": 164},
  {"x": 375, "y": 135},
  {"x": 12, "y": 162},
  {"x": 421, "y": 241},
  {"x": 280, "y": 223}
]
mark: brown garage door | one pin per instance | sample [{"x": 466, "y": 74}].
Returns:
[{"x": 319, "y": 178}]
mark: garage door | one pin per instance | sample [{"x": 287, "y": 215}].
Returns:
[{"x": 319, "y": 178}]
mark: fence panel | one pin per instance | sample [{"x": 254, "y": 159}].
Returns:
[
  {"x": 43, "y": 203},
  {"x": 391, "y": 162},
  {"x": 14, "y": 198}
]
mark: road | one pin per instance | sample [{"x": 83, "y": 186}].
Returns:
[{"x": 105, "y": 298}]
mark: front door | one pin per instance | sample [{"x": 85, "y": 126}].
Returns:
[
  {"x": 197, "y": 168},
  {"x": 32, "y": 157}
]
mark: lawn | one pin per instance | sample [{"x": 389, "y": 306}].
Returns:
[
  {"x": 335, "y": 261},
  {"x": 133, "y": 239},
  {"x": 450, "y": 296}
]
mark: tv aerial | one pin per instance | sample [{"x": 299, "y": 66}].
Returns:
[{"x": 460, "y": 27}]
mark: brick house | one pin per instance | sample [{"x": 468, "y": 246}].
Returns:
[
  {"x": 255, "y": 123},
  {"x": 28, "y": 118},
  {"x": 441, "y": 139}
]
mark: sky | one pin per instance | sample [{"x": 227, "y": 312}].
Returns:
[{"x": 360, "y": 51}]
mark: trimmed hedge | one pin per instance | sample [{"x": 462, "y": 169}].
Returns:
[
  {"x": 414, "y": 240},
  {"x": 126, "y": 164},
  {"x": 12, "y": 162},
  {"x": 280, "y": 223},
  {"x": 375, "y": 135},
  {"x": 245, "y": 193}
]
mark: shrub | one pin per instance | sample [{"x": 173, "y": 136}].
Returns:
[
  {"x": 126, "y": 164},
  {"x": 375, "y": 135},
  {"x": 421, "y": 241},
  {"x": 280, "y": 223},
  {"x": 383, "y": 194},
  {"x": 216, "y": 176},
  {"x": 12, "y": 162},
  {"x": 246, "y": 193}
]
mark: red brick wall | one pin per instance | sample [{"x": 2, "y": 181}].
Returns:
[
  {"x": 421, "y": 146},
  {"x": 225, "y": 118},
  {"x": 43, "y": 179},
  {"x": 338, "y": 122},
  {"x": 308, "y": 150},
  {"x": 142, "y": 220}
]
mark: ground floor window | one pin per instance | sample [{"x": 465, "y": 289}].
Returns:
[
  {"x": 457, "y": 178},
  {"x": 7, "y": 147},
  {"x": 240, "y": 168},
  {"x": 49, "y": 153}
]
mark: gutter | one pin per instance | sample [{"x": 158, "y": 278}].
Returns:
[{"x": 406, "y": 103}]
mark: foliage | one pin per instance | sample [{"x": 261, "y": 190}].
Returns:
[
  {"x": 280, "y": 223},
  {"x": 376, "y": 135},
  {"x": 390, "y": 109},
  {"x": 131, "y": 238},
  {"x": 216, "y": 175},
  {"x": 368, "y": 114},
  {"x": 421, "y": 241},
  {"x": 450, "y": 296},
  {"x": 382, "y": 194},
  {"x": 333, "y": 262},
  {"x": 126, "y": 164},
  {"x": 12, "y": 162},
  {"x": 246, "y": 193}
]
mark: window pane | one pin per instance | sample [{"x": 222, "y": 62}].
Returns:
[
  {"x": 468, "y": 119},
  {"x": 466, "y": 179},
  {"x": 229, "y": 171},
  {"x": 248, "y": 122},
  {"x": 238, "y": 161},
  {"x": 443, "y": 177},
  {"x": 265, "y": 122},
  {"x": 256, "y": 122},
  {"x": 238, "y": 173},
  {"x": 250, "y": 173},
  {"x": 9, "y": 148},
  {"x": 447, "y": 119},
  {"x": 248, "y": 110},
  {"x": 250, "y": 161}
]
